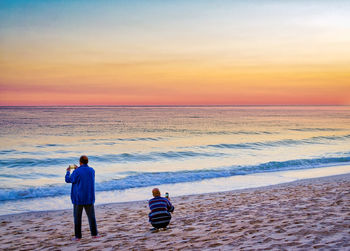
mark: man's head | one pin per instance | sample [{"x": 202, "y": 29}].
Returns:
[
  {"x": 155, "y": 192},
  {"x": 84, "y": 160}
]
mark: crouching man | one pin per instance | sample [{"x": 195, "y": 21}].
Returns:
[{"x": 160, "y": 208}]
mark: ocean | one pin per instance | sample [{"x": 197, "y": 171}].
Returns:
[{"x": 182, "y": 150}]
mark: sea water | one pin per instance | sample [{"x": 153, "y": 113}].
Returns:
[{"x": 181, "y": 150}]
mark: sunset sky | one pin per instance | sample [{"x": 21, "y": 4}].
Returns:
[{"x": 163, "y": 52}]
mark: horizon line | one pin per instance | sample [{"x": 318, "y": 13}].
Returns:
[{"x": 214, "y": 105}]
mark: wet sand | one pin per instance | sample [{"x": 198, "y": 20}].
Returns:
[{"x": 301, "y": 215}]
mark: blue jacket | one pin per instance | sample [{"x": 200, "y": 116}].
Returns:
[{"x": 83, "y": 185}]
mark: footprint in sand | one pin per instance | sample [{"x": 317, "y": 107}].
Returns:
[
  {"x": 189, "y": 229},
  {"x": 213, "y": 245}
]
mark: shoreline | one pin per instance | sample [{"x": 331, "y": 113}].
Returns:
[
  {"x": 214, "y": 185},
  {"x": 251, "y": 189},
  {"x": 302, "y": 214}
]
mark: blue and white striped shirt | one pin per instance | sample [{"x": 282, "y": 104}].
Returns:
[{"x": 160, "y": 210}]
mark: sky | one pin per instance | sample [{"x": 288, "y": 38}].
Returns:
[{"x": 263, "y": 52}]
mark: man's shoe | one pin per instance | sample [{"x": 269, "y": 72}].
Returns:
[
  {"x": 154, "y": 230},
  {"x": 76, "y": 239},
  {"x": 96, "y": 236}
]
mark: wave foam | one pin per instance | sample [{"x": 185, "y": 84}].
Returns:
[{"x": 134, "y": 180}]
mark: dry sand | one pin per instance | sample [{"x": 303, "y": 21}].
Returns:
[{"x": 302, "y": 215}]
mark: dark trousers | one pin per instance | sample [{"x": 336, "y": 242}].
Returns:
[
  {"x": 162, "y": 225},
  {"x": 90, "y": 212}
]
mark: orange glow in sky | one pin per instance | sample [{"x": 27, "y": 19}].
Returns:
[{"x": 162, "y": 53}]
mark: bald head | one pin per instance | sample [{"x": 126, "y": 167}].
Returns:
[{"x": 155, "y": 192}]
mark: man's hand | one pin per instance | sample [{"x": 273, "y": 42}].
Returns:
[{"x": 68, "y": 169}]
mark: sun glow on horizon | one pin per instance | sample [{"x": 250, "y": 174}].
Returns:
[{"x": 185, "y": 53}]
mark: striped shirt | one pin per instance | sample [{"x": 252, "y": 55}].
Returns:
[{"x": 160, "y": 210}]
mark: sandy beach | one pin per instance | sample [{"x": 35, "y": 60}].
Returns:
[{"x": 301, "y": 215}]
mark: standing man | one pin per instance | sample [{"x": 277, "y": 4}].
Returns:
[{"x": 83, "y": 195}]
